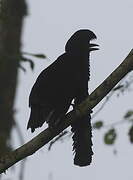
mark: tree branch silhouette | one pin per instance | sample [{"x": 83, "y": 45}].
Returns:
[{"x": 48, "y": 134}]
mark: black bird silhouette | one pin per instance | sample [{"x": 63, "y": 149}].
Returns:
[{"x": 65, "y": 80}]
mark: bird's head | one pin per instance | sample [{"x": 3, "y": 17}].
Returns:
[{"x": 80, "y": 41}]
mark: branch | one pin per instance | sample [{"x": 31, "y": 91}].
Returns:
[{"x": 48, "y": 134}]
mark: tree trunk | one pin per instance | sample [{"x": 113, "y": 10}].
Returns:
[{"x": 12, "y": 13}]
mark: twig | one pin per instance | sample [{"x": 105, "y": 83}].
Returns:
[
  {"x": 56, "y": 139},
  {"x": 102, "y": 106}
]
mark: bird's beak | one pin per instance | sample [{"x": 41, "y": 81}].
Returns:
[{"x": 93, "y": 47}]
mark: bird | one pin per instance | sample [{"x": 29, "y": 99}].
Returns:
[{"x": 61, "y": 83}]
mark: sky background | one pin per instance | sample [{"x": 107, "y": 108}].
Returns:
[{"x": 47, "y": 27}]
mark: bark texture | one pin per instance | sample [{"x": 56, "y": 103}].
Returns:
[{"x": 11, "y": 21}]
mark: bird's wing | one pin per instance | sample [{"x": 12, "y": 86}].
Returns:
[{"x": 50, "y": 98}]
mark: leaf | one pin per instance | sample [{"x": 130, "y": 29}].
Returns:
[
  {"x": 31, "y": 64},
  {"x": 128, "y": 114},
  {"x": 110, "y": 137},
  {"x": 28, "y": 60},
  {"x": 39, "y": 56},
  {"x": 22, "y": 68},
  {"x": 130, "y": 134},
  {"x": 42, "y": 56},
  {"x": 98, "y": 125}
]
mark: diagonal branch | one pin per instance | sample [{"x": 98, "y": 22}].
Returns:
[{"x": 48, "y": 134}]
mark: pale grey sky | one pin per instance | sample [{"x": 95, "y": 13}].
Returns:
[{"x": 47, "y": 28}]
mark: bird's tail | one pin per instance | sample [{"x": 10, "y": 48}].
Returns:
[{"x": 82, "y": 143}]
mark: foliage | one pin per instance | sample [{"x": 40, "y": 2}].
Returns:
[
  {"x": 130, "y": 134},
  {"x": 98, "y": 125},
  {"x": 23, "y": 58},
  {"x": 110, "y": 136}
]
